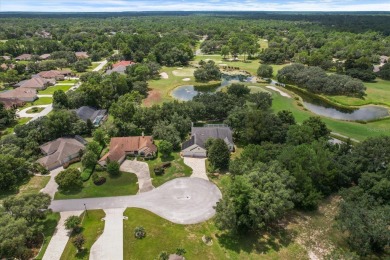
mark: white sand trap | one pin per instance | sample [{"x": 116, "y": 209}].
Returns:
[
  {"x": 222, "y": 65},
  {"x": 184, "y": 72},
  {"x": 179, "y": 68},
  {"x": 283, "y": 94},
  {"x": 186, "y": 79},
  {"x": 164, "y": 75}
]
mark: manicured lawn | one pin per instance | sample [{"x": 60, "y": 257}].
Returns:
[
  {"x": 67, "y": 81},
  {"x": 49, "y": 226},
  {"x": 124, "y": 184},
  {"x": 93, "y": 66},
  {"x": 42, "y": 101},
  {"x": 50, "y": 90},
  {"x": 162, "y": 235},
  {"x": 92, "y": 228},
  {"x": 177, "y": 169},
  {"x": 35, "y": 110},
  {"x": 378, "y": 93}
]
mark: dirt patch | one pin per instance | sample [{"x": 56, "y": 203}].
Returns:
[{"x": 154, "y": 96}]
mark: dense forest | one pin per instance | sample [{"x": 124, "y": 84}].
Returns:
[{"x": 283, "y": 165}]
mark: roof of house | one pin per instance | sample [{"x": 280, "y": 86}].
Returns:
[
  {"x": 19, "y": 93},
  {"x": 81, "y": 54},
  {"x": 120, "y": 69},
  {"x": 175, "y": 257},
  {"x": 24, "y": 57},
  {"x": 6, "y": 57},
  {"x": 34, "y": 82},
  {"x": 60, "y": 149},
  {"x": 49, "y": 74},
  {"x": 123, "y": 63},
  {"x": 45, "y": 56},
  {"x": 86, "y": 112},
  {"x": 199, "y": 135},
  {"x": 11, "y": 102},
  {"x": 119, "y": 146}
]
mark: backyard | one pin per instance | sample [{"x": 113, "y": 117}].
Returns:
[{"x": 52, "y": 89}]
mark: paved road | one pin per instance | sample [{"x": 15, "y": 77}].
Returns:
[
  {"x": 198, "y": 166},
  {"x": 60, "y": 238},
  {"x": 141, "y": 169},
  {"x": 110, "y": 244},
  {"x": 182, "y": 201}
]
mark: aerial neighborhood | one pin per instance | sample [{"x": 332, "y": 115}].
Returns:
[{"x": 194, "y": 135}]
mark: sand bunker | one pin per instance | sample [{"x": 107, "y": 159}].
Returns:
[
  {"x": 183, "y": 73},
  {"x": 164, "y": 75},
  {"x": 186, "y": 79},
  {"x": 283, "y": 94}
]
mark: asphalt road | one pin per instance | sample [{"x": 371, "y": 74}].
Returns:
[{"x": 182, "y": 201}]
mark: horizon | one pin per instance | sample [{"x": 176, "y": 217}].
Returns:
[{"x": 120, "y": 6}]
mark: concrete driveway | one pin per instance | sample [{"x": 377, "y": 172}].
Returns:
[
  {"x": 23, "y": 112},
  {"x": 52, "y": 187},
  {"x": 141, "y": 169},
  {"x": 60, "y": 238},
  {"x": 198, "y": 166},
  {"x": 110, "y": 244},
  {"x": 182, "y": 201}
]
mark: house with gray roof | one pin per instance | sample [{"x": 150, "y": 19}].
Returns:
[
  {"x": 97, "y": 116},
  {"x": 61, "y": 151},
  {"x": 195, "y": 146}
]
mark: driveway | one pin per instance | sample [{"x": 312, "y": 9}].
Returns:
[
  {"x": 23, "y": 112},
  {"x": 110, "y": 244},
  {"x": 198, "y": 166},
  {"x": 60, "y": 238},
  {"x": 52, "y": 187},
  {"x": 182, "y": 201},
  {"x": 100, "y": 66},
  {"x": 141, "y": 169}
]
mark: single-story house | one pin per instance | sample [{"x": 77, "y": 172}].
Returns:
[
  {"x": 22, "y": 94},
  {"x": 35, "y": 82},
  {"x": 44, "y": 56},
  {"x": 51, "y": 74},
  {"x": 61, "y": 151},
  {"x": 24, "y": 57},
  {"x": 81, "y": 55},
  {"x": 6, "y": 57},
  {"x": 120, "y": 67},
  {"x": 120, "y": 147},
  {"x": 195, "y": 147},
  {"x": 97, "y": 116},
  {"x": 11, "y": 103}
]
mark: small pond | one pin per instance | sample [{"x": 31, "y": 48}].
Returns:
[
  {"x": 322, "y": 108},
  {"x": 187, "y": 92}
]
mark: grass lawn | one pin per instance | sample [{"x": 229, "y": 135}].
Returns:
[
  {"x": 10, "y": 130},
  {"x": 35, "y": 110},
  {"x": 92, "y": 227},
  {"x": 378, "y": 93},
  {"x": 124, "y": 184},
  {"x": 93, "y": 66},
  {"x": 49, "y": 226},
  {"x": 162, "y": 235},
  {"x": 67, "y": 81},
  {"x": 50, "y": 90},
  {"x": 40, "y": 101},
  {"x": 177, "y": 169},
  {"x": 31, "y": 186}
]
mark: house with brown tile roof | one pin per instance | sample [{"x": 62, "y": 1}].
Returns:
[
  {"x": 120, "y": 147},
  {"x": 24, "y": 57},
  {"x": 123, "y": 63},
  {"x": 44, "y": 56},
  {"x": 61, "y": 151},
  {"x": 81, "y": 55},
  {"x": 35, "y": 82},
  {"x": 120, "y": 67},
  {"x": 22, "y": 94},
  {"x": 51, "y": 74}
]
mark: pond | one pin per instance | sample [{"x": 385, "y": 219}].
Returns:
[
  {"x": 322, "y": 108},
  {"x": 187, "y": 92}
]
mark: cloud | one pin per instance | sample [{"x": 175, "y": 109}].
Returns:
[{"x": 190, "y": 5}]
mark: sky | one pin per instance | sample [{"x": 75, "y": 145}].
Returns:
[{"x": 191, "y": 5}]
